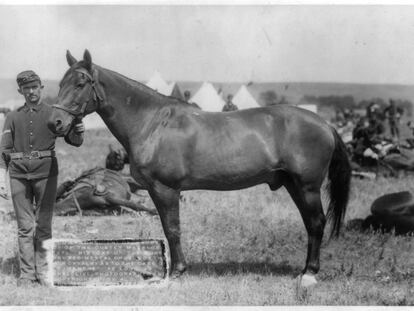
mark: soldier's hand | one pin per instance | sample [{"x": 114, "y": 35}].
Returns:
[{"x": 79, "y": 128}]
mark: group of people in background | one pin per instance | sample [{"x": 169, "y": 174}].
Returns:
[{"x": 366, "y": 135}]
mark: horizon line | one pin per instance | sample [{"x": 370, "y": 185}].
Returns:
[{"x": 258, "y": 82}]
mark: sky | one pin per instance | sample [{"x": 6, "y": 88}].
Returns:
[{"x": 225, "y": 43}]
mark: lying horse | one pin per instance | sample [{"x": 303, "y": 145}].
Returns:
[
  {"x": 173, "y": 147},
  {"x": 393, "y": 211},
  {"x": 97, "y": 189}
]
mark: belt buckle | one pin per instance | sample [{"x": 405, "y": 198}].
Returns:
[{"x": 34, "y": 155}]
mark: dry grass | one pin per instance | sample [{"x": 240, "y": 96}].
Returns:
[{"x": 243, "y": 248}]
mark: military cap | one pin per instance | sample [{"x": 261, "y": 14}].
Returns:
[{"x": 26, "y": 77}]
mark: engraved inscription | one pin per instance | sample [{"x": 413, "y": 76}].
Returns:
[{"x": 121, "y": 262}]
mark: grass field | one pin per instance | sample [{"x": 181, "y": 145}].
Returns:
[{"x": 243, "y": 248}]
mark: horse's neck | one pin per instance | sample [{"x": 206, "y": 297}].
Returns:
[{"x": 127, "y": 104}]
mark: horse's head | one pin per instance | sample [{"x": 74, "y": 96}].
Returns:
[{"x": 79, "y": 94}]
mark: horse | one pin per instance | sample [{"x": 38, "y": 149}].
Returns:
[
  {"x": 174, "y": 147},
  {"x": 98, "y": 189}
]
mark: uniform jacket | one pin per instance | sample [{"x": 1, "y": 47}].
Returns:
[{"x": 25, "y": 130}]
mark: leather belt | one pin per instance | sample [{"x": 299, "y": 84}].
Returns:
[{"x": 32, "y": 155}]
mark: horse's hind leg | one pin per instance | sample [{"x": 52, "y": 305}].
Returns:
[
  {"x": 308, "y": 200},
  {"x": 167, "y": 202}
]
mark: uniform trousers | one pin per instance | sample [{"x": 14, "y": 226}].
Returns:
[{"x": 33, "y": 202}]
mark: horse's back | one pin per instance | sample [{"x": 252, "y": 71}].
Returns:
[{"x": 241, "y": 148}]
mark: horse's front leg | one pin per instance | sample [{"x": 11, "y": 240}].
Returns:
[{"x": 167, "y": 202}]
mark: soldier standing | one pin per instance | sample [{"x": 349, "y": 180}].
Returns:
[
  {"x": 393, "y": 114},
  {"x": 27, "y": 151}
]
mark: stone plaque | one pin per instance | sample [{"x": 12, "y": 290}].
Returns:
[{"x": 108, "y": 262}]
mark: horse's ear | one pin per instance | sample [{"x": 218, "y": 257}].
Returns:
[
  {"x": 87, "y": 58},
  {"x": 71, "y": 60}
]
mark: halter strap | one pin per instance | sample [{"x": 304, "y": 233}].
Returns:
[
  {"x": 73, "y": 112},
  {"x": 95, "y": 95}
]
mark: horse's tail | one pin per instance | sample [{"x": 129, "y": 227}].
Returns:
[{"x": 339, "y": 176}]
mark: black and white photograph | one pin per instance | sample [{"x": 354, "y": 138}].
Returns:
[{"x": 201, "y": 154}]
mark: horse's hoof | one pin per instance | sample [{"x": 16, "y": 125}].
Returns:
[
  {"x": 176, "y": 274},
  {"x": 178, "y": 271},
  {"x": 307, "y": 280}
]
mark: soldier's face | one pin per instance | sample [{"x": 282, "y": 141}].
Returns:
[{"x": 31, "y": 91}]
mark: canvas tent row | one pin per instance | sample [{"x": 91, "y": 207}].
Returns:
[
  {"x": 244, "y": 99},
  {"x": 207, "y": 98},
  {"x": 161, "y": 86}
]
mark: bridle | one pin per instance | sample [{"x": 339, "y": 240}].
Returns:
[{"x": 79, "y": 101}]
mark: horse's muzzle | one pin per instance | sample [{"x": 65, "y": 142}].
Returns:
[
  {"x": 57, "y": 126},
  {"x": 54, "y": 125}
]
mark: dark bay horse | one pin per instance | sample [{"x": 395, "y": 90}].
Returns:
[{"x": 173, "y": 147}]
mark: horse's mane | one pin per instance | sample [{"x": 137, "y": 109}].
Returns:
[{"x": 146, "y": 89}]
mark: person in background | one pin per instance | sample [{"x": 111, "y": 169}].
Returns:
[
  {"x": 339, "y": 117},
  {"x": 375, "y": 128},
  {"x": 373, "y": 111},
  {"x": 187, "y": 96},
  {"x": 229, "y": 106},
  {"x": 27, "y": 152},
  {"x": 410, "y": 140},
  {"x": 392, "y": 113}
]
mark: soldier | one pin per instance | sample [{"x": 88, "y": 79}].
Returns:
[
  {"x": 187, "y": 95},
  {"x": 393, "y": 114},
  {"x": 373, "y": 111},
  {"x": 27, "y": 151},
  {"x": 375, "y": 130},
  {"x": 229, "y": 106}
]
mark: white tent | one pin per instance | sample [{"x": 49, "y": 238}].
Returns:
[
  {"x": 207, "y": 98},
  {"x": 310, "y": 107},
  {"x": 174, "y": 91},
  {"x": 243, "y": 99},
  {"x": 159, "y": 84}
]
